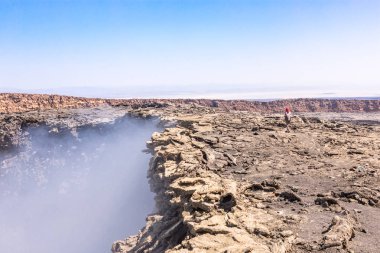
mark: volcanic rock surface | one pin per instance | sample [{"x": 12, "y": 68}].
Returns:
[
  {"x": 238, "y": 182},
  {"x": 228, "y": 180}
]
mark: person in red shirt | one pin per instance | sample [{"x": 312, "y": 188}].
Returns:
[{"x": 288, "y": 116}]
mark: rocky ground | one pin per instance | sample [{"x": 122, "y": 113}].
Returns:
[{"x": 236, "y": 181}]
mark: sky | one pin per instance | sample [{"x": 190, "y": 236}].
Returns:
[{"x": 191, "y": 48}]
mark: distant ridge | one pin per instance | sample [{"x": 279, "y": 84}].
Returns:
[
  {"x": 322, "y": 98},
  {"x": 18, "y": 102}
]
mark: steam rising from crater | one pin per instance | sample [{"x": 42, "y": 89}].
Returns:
[{"x": 64, "y": 194}]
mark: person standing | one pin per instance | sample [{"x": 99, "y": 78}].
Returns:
[{"x": 288, "y": 115}]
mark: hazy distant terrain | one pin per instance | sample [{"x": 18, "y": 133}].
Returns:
[{"x": 262, "y": 92}]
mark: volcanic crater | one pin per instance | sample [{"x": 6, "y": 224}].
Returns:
[{"x": 226, "y": 175}]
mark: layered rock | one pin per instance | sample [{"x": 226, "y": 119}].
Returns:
[
  {"x": 237, "y": 182},
  {"x": 198, "y": 209}
]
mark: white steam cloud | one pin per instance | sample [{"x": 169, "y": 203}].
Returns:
[{"x": 68, "y": 195}]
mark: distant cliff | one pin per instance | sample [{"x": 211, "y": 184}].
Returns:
[
  {"x": 300, "y": 105},
  {"x": 13, "y": 102},
  {"x": 10, "y": 103}
]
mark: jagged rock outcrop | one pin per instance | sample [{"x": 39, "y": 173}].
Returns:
[
  {"x": 198, "y": 210},
  {"x": 339, "y": 233},
  {"x": 237, "y": 182}
]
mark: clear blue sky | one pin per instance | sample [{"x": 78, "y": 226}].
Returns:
[{"x": 280, "y": 45}]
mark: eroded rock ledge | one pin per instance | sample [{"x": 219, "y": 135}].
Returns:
[
  {"x": 13, "y": 125},
  {"x": 233, "y": 181},
  {"x": 198, "y": 208},
  {"x": 237, "y": 182}
]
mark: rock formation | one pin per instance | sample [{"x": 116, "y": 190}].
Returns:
[
  {"x": 10, "y": 103},
  {"x": 229, "y": 178},
  {"x": 237, "y": 182}
]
